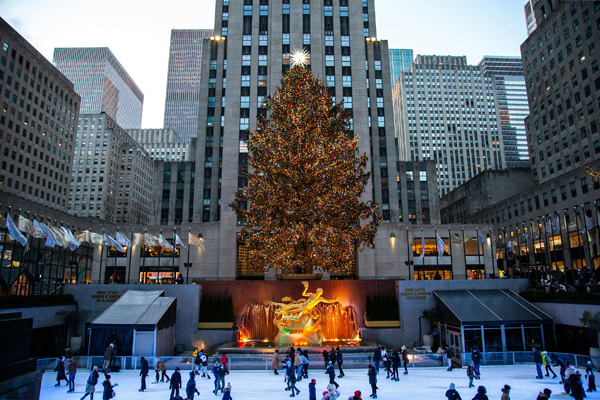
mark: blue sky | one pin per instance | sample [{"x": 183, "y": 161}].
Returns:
[{"x": 138, "y": 31}]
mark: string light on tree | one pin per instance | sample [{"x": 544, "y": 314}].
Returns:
[
  {"x": 300, "y": 57},
  {"x": 302, "y": 205}
]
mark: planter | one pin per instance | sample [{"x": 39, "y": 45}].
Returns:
[
  {"x": 215, "y": 325},
  {"x": 76, "y": 342},
  {"x": 382, "y": 324},
  {"x": 595, "y": 356}
]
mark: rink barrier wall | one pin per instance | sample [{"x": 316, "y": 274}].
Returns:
[{"x": 258, "y": 362}]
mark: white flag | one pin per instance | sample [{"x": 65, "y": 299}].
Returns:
[
  {"x": 588, "y": 223},
  {"x": 179, "y": 242},
  {"x": 480, "y": 239},
  {"x": 441, "y": 246},
  {"x": 164, "y": 243},
  {"x": 50, "y": 239},
  {"x": 422, "y": 256},
  {"x": 72, "y": 243},
  {"x": 123, "y": 241},
  {"x": 109, "y": 241},
  {"x": 14, "y": 232}
]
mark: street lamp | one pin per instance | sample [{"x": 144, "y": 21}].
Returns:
[{"x": 187, "y": 266}]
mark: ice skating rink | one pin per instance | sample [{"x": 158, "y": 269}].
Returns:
[{"x": 420, "y": 383}]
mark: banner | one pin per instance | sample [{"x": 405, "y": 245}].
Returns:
[
  {"x": 13, "y": 231},
  {"x": 179, "y": 242},
  {"x": 441, "y": 246},
  {"x": 109, "y": 241},
  {"x": 164, "y": 243},
  {"x": 123, "y": 241},
  {"x": 72, "y": 243}
]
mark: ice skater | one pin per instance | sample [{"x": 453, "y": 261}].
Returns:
[
  {"x": 372, "y": 373},
  {"x": 60, "y": 371},
  {"x": 563, "y": 367},
  {"x": 331, "y": 394},
  {"x": 452, "y": 394},
  {"x": 108, "y": 388},
  {"x": 544, "y": 394},
  {"x": 305, "y": 363},
  {"x": 175, "y": 383},
  {"x": 293, "y": 387},
  {"x": 143, "y": 373},
  {"x": 405, "y": 359},
  {"x": 72, "y": 370},
  {"x": 547, "y": 364},
  {"x": 331, "y": 372},
  {"x": 298, "y": 365},
  {"x": 471, "y": 374},
  {"x": 275, "y": 362},
  {"x": 312, "y": 390},
  {"x": 90, "y": 386},
  {"x": 481, "y": 393},
  {"x": 537, "y": 358},
  {"x": 377, "y": 356},
  {"x": 395, "y": 364},
  {"x": 340, "y": 360},
  {"x": 190, "y": 388},
  {"x": 591, "y": 378},
  {"x": 162, "y": 368},
  {"x": 505, "y": 393},
  {"x": 204, "y": 368},
  {"x": 227, "y": 392},
  {"x": 476, "y": 358},
  {"x": 108, "y": 354}
]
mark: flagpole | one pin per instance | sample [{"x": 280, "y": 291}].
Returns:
[
  {"x": 505, "y": 261},
  {"x": 115, "y": 265},
  {"x": 578, "y": 237},
  {"x": 187, "y": 274},
  {"x": 51, "y": 258},
  {"x": 101, "y": 255},
  {"x": 64, "y": 261},
  {"x": 553, "y": 264},
  {"x": 437, "y": 259},
  {"x": 597, "y": 230},
  {"x": 18, "y": 286},
  {"x": 423, "y": 261},
  {"x": 37, "y": 264},
  {"x": 130, "y": 255},
  {"x": 174, "y": 248},
  {"x": 12, "y": 257},
  {"x": 407, "y": 255},
  {"x": 159, "y": 251},
  {"x": 491, "y": 253},
  {"x": 462, "y": 228},
  {"x": 568, "y": 241},
  {"x": 4, "y": 247},
  {"x": 87, "y": 259},
  {"x": 145, "y": 255}
]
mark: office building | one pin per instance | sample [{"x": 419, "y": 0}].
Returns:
[
  {"x": 103, "y": 84},
  {"x": 530, "y": 18},
  {"x": 164, "y": 144},
  {"x": 37, "y": 123},
  {"x": 512, "y": 106},
  {"x": 183, "y": 81},
  {"x": 446, "y": 110},
  {"x": 400, "y": 61},
  {"x": 112, "y": 176}
]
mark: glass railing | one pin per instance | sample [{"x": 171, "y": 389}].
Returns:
[{"x": 524, "y": 357}]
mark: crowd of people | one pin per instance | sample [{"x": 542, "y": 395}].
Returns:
[{"x": 295, "y": 365}]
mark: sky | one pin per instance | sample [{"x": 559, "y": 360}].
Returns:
[{"x": 138, "y": 31}]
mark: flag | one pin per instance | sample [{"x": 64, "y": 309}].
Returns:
[
  {"x": 588, "y": 223},
  {"x": 14, "y": 232},
  {"x": 455, "y": 239},
  {"x": 411, "y": 238},
  {"x": 422, "y": 256},
  {"x": 525, "y": 234},
  {"x": 109, "y": 241},
  {"x": 466, "y": 237},
  {"x": 509, "y": 245},
  {"x": 151, "y": 241},
  {"x": 138, "y": 239},
  {"x": 50, "y": 239},
  {"x": 480, "y": 239},
  {"x": 556, "y": 224},
  {"x": 83, "y": 236},
  {"x": 95, "y": 238},
  {"x": 193, "y": 240},
  {"x": 59, "y": 235},
  {"x": 29, "y": 227},
  {"x": 549, "y": 226},
  {"x": 441, "y": 246},
  {"x": 179, "y": 242},
  {"x": 164, "y": 243},
  {"x": 72, "y": 243},
  {"x": 123, "y": 241}
]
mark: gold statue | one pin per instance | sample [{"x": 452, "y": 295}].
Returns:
[{"x": 298, "y": 319}]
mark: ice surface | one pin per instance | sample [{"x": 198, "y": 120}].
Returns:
[{"x": 420, "y": 383}]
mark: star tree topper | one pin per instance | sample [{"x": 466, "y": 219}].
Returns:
[{"x": 300, "y": 57}]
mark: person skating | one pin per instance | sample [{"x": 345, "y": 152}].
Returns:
[
  {"x": 576, "y": 384},
  {"x": 547, "y": 363},
  {"x": 537, "y": 358},
  {"x": 481, "y": 394},
  {"x": 505, "y": 393},
  {"x": 215, "y": 372},
  {"x": 108, "y": 388},
  {"x": 591, "y": 378},
  {"x": 224, "y": 360},
  {"x": 275, "y": 362},
  {"x": 298, "y": 366},
  {"x": 331, "y": 394},
  {"x": 143, "y": 373},
  {"x": 331, "y": 372},
  {"x": 452, "y": 394},
  {"x": 471, "y": 373},
  {"x": 377, "y": 357},
  {"x": 544, "y": 394},
  {"x": 387, "y": 362},
  {"x": 60, "y": 371},
  {"x": 405, "y": 359},
  {"x": 325, "y": 357},
  {"x": 90, "y": 386},
  {"x": 227, "y": 392},
  {"x": 476, "y": 358},
  {"x": 162, "y": 368},
  {"x": 340, "y": 361},
  {"x": 198, "y": 361},
  {"x": 72, "y": 370},
  {"x": 108, "y": 353},
  {"x": 175, "y": 383},
  {"x": 305, "y": 364},
  {"x": 312, "y": 390},
  {"x": 289, "y": 371},
  {"x": 357, "y": 395},
  {"x": 222, "y": 372},
  {"x": 204, "y": 368},
  {"x": 558, "y": 362},
  {"x": 372, "y": 373},
  {"x": 293, "y": 388},
  {"x": 395, "y": 365},
  {"x": 190, "y": 387},
  {"x": 449, "y": 355}
]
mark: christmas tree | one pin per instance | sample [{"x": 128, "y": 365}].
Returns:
[{"x": 302, "y": 203}]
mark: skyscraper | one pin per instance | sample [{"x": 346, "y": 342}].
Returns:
[
  {"x": 400, "y": 61},
  {"x": 446, "y": 110},
  {"x": 512, "y": 106},
  {"x": 37, "y": 123},
  {"x": 102, "y": 83},
  {"x": 183, "y": 81}
]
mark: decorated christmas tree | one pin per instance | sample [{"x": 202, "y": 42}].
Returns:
[{"x": 302, "y": 203}]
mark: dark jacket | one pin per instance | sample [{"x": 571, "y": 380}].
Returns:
[
  {"x": 372, "y": 376},
  {"x": 108, "y": 389},
  {"x": 223, "y": 371},
  {"x": 93, "y": 378},
  {"x": 452, "y": 394},
  {"x": 331, "y": 371},
  {"x": 312, "y": 392},
  {"x": 537, "y": 356},
  {"x": 144, "y": 370},
  {"x": 190, "y": 388},
  {"x": 340, "y": 357},
  {"x": 476, "y": 357},
  {"x": 480, "y": 396},
  {"x": 72, "y": 367},
  {"x": 175, "y": 380},
  {"x": 395, "y": 358},
  {"x": 197, "y": 360},
  {"x": 377, "y": 354},
  {"x": 60, "y": 371},
  {"x": 449, "y": 353},
  {"x": 325, "y": 355},
  {"x": 405, "y": 355}
]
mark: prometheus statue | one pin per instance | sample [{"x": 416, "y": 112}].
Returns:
[{"x": 298, "y": 320}]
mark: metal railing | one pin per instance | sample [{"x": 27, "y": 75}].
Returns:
[
  {"x": 524, "y": 357},
  {"x": 238, "y": 362}
]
